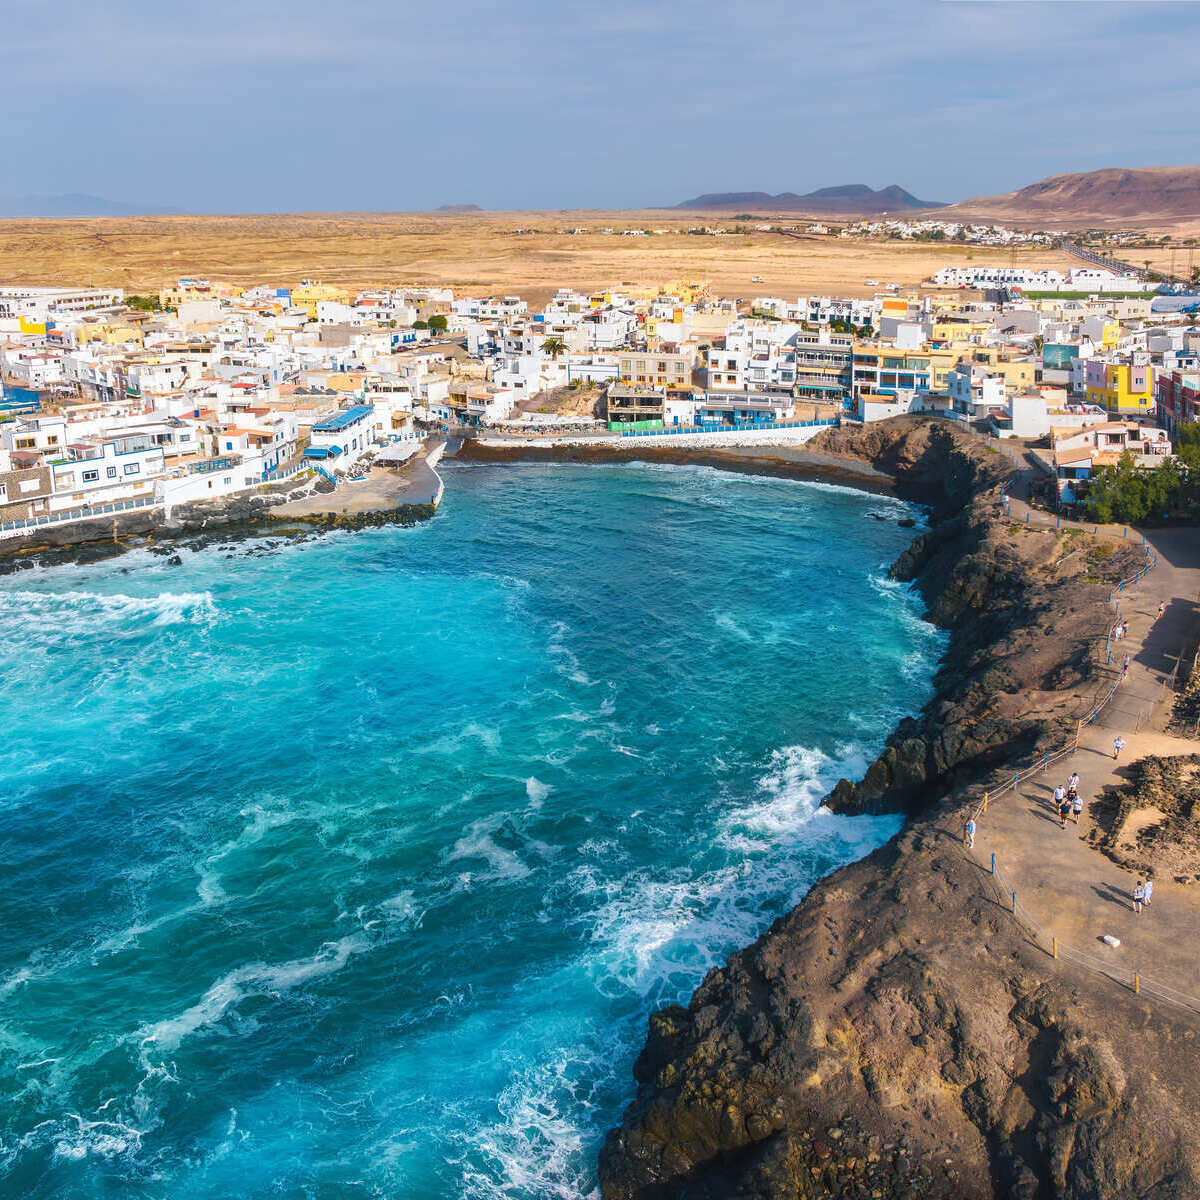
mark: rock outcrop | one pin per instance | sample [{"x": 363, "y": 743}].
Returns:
[
  {"x": 1151, "y": 824},
  {"x": 896, "y": 1035}
]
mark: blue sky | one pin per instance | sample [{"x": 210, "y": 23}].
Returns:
[{"x": 262, "y": 106}]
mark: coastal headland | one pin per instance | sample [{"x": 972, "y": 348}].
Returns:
[{"x": 902, "y": 1033}]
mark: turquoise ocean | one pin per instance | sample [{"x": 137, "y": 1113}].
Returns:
[{"x": 353, "y": 867}]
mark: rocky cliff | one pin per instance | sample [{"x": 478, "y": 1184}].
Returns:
[{"x": 896, "y": 1035}]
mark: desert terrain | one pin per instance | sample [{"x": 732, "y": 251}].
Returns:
[{"x": 475, "y": 252}]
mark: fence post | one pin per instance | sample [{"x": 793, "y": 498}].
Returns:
[
  {"x": 985, "y": 801},
  {"x": 1046, "y": 764},
  {"x": 993, "y": 862},
  {"x": 1014, "y": 896},
  {"x": 1054, "y": 946},
  {"x": 1137, "y": 983},
  {"x": 1026, "y": 518},
  {"x": 1016, "y": 780}
]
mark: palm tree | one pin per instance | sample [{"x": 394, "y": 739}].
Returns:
[{"x": 554, "y": 346}]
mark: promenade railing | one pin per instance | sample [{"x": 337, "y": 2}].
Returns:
[
  {"x": 1133, "y": 979},
  {"x": 78, "y": 514},
  {"x": 1042, "y": 937}
]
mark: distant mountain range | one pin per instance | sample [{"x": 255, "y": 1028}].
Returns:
[
  {"x": 458, "y": 208},
  {"x": 76, "y": 204},
  {"x": 848, "y": 198},
  {"x": 1111, "y": 196}
]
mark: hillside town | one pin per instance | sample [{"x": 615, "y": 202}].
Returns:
[{"x": 211, "y": 389}]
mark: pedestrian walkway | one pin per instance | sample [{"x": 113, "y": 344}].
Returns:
[{"x": 1064, "y": 885}]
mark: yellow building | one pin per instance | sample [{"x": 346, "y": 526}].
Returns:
[
  {"x": 311, "y": 292},
  {"x": 1120, "y": 387},
  {"x": 116, "y": 334},
  {"x": 1020, "y": 374},
  {"x": 689, "y": 291},
  {"x": 953, "y": 328}
]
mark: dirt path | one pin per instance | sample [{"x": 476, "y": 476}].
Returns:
[{"x": 1073, "y": 891}]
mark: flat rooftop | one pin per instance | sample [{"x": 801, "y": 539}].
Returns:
[{"x": 343, "y": 420}]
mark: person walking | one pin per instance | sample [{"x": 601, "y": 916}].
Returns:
[
  {"x": 1125, "y": 669},
  {"x": 1139, "y": 894},
  {"x": 1072, "y": 783},
  {"x": 1118, "y": 746},
  {"x": 1064, "y": 807},
  {"x": 1060, "y": 795},
  {"x": 1162, "y": 608},
  {"x": 971, "y": 833},
  {"x": 1148, "y": 890},
  {"x": 1076, "y": 805}
]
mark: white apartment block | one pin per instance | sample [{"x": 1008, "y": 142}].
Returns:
[{"x": 40, "y": 304}]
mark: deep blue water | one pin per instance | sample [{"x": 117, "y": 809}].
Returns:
[{"x": 354, "y": 867}]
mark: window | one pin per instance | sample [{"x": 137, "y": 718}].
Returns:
[
  {"x": 91, "y": 476},
  {"x": 25, "y": 443},
  {"x": 29, "y": 485},
  {"x": 133, "y": 469},
  {"x": 111, "y": 472}
]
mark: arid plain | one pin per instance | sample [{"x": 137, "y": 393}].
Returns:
[{"x": 475, "y": 252}]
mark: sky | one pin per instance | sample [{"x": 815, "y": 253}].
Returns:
[{"x": 321, "y": 105}]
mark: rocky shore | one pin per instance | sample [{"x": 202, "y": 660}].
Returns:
[
  {"x": 240, "y": 518},
  {"x": 896, "y": 1035}
]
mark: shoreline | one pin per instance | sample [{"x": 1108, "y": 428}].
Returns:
[{"x": 898, "y": 1033}]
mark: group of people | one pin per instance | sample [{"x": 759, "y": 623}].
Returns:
[
  {"x": 1067, "y": 800},
  {"x": 1142, "y": 891}
]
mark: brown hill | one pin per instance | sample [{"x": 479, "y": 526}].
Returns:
[{"x": 1115, "y": 196}]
